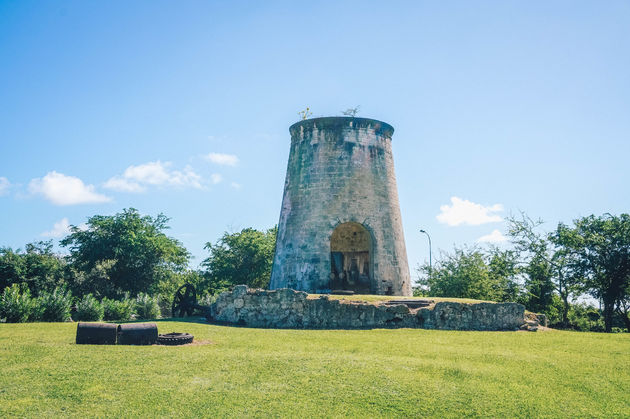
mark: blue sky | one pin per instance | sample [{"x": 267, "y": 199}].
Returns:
[{"x": 184, "y": 108}]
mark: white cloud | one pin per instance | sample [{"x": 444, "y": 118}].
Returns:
[
  {"x": 136, "y": 178},
  {"x": 118, "y": 183},
  {"x": 60, "y": 229},
  {"x": 235, "y": 185},
  {"x": 222, "y": 159},
  {"x": 4, "y": 185},
  {"x": 216, "y": 178},
  {"x": 65, "y": 190},
  {"x": 495, "y": 237},
  {"x": 463, "y": 211}
]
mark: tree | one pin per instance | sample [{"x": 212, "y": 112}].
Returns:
[
  {"x": 471, "y": 273},
  {"x": 38, "y": 267},
  {"x": 240, "y": 258},
  {"x": 503, "y": 271},
  {"x": 602, "y": 249},
  {"x": 125, "y": 252},
  {"x": 623, "y": 306},
  {"x": 11, "y": 268},
  {"x": 546, "y": 264}
]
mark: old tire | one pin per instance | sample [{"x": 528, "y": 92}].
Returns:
[{"x": 173, "y": 339}]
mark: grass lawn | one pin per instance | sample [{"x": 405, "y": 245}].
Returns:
[
  {"x": 304, "y": 373},
  {"x": 373, "y": 298}
]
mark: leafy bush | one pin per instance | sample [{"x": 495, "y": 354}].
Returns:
[
  {"x": 54, "y": 306},
  {"x": 16, "y": 304},
  {"x": 89, "y": 309},
  {"x": 121, "y": 310},
  {"x": 147, "y": 307},
  {"x": 165, "y": 302},
  {"x": 207, "y": 299}
]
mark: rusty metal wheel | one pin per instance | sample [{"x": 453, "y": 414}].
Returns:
[
  {"x": 184, "y": 301},
  {"x": 173, "y": 339}
]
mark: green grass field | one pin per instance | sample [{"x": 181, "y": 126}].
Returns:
[{"x": 304, "y": 373}]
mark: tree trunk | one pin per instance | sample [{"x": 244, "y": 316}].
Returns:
[
  {"x": 609, "y": 311},
  {"x": 625, "y": 316},
  {"x": 565, "y": 310}
]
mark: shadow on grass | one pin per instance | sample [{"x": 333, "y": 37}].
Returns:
[{"x": 192, "y": 319}]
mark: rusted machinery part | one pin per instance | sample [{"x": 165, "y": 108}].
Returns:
[
  {"x": 175, "y": 339},
  {"x": 96, "y": 333},
  {"x": 184, "y": 301},
  {"x": 137, "y": 334}
]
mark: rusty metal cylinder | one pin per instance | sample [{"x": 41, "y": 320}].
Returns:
[
  {"x": 96, "y": 333},
  {"x": 137, "y": 334}
]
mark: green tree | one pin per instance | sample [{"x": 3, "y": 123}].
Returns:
[
  {"x": 601, "y": 246},
  {"x": 623, "y": 306},
  {"x": 12, "y": 269},
  {"x": 539, "y": 286},
  {"x": 503, "y": 271},
  {"x": 125, "y": 252},
  {"x": 547, "y": 265},
  {"x": 38, "y": 267},
  {"x": 240, "y": 258},
  {"x": 473, "y": 273}
]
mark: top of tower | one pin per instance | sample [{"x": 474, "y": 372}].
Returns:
[{"x": 341, "y": 122}]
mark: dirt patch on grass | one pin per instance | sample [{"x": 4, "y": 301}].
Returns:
[{"x": 196, "y": 342}]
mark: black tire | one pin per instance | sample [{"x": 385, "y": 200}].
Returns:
[{"x": 173, "y": 339}]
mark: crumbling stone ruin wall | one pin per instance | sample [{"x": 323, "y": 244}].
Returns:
[
  {"x": 340, "y": 180},
  {"x": 286, "y": 308}
]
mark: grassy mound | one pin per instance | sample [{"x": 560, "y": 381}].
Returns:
[
  {"x": 359, "y": 373},
  {"x": 369, "y": 298}
]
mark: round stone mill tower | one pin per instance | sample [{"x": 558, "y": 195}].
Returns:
[{"x": 340, "y": 225}]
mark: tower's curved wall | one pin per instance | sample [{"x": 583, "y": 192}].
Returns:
[{"x": 340, "y": 170}]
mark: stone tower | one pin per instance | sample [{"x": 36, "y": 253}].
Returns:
[{"x": 340, "y": 225}]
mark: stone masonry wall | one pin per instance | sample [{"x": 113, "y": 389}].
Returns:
[
  {"x": 286, "y": 308},
  {"x": 340, "y": 170}
]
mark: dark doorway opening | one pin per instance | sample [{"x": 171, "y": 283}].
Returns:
[{"x": 350, "y": 264}]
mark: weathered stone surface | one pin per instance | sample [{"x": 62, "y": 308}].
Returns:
[
  {"x": 286, "y": 308},
  {"x": 341, "y": 174}
]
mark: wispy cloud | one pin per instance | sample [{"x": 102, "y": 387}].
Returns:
[
  {"x": 137, "y": 178},
  {"x": 236, "y": 185},
  {"x": 65, "y": 190},
  {"x": 4, "y": 185},
  {"x": 222, "y": 159},
  {"x": 495, "y": 237},
  {"x": 216, "y": 178},
  {"x": 462, "y": 211},
  {"x": 60, "y": 229}
]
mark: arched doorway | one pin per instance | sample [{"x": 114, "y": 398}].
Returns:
[{"x": 350, "y": 264}]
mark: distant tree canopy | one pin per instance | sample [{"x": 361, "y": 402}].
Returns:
[
  {"x": 600, "y": 247},
  {"x": 546, "y": 272},
  {"x": 472, "y": 273},
  {"x": 123, "y": 253},
  {"x": 38, "y": 267},
  {"x": 244, "y": 257}
]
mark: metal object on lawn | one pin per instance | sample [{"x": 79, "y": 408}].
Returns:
[
  {"x": 173, "y": 339},
  {"x": 96, "y": 333},
  {"x": 185, "y": 301},
  {"x": 137, "y": 334}
]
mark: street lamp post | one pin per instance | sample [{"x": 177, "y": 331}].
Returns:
[{"x": 430, "y": 258}]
